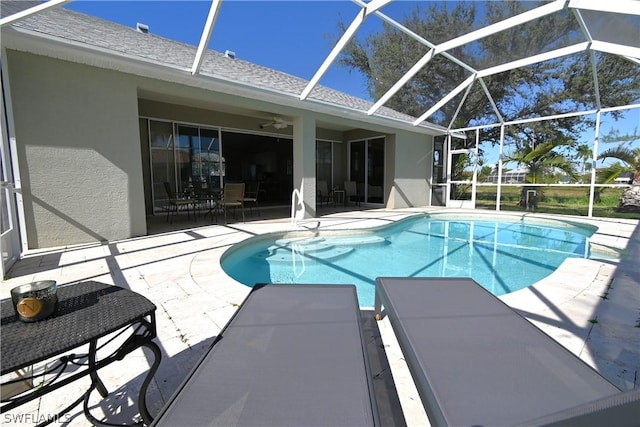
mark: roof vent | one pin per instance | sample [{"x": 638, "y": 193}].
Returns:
[
  {"x": 142, "y": 28},
  {"x": 230, "y": 54}
]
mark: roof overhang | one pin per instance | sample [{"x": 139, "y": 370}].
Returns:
[{"x": 24, "y": 40}]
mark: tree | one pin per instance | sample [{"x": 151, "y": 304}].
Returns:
[
  {"x": 583, "y": 154},
  {"x": 628, "y": 162},
  {"x": 485, "y": 173},
  {"x": 625, "y": 152},
  {"x": 542, "y": 89},
  {"x": 630, "y": 158}
]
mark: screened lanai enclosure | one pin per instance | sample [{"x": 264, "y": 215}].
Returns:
[
  {"x": 523, "y": 105},
  {"x": 532, "y": 93}
]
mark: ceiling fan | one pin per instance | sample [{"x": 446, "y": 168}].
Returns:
[{"x": 276, "y": 123}]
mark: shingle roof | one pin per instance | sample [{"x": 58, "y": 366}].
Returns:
[{"x": 99, "y": 33}]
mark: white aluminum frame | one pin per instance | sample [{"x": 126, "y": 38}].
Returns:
[{"x": 373, "y": 7}]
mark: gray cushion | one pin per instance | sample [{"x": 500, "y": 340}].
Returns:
[
  {"x": 293, "y": 355},
  {"x": 475, "y": 361}
]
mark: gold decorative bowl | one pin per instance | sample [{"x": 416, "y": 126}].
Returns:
[{"x": 35, "y": 301}]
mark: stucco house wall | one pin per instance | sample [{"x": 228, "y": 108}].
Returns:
[
  {"x": 409, "y": 161},
  {"x": 79, "y": 154},
  {"x": 407, "y": 166},
  {"x": 200, "y": 116}
]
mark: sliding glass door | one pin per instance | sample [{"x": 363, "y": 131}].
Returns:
[
  {"x": 198, "y": 161},
  {"x": 324, "y": 162},
  {"x": 163, "y": 163},
  {"x": 366, "y": 168},
  {"x": 375, "y": 171},
  {"x": 187, "y": 157}
]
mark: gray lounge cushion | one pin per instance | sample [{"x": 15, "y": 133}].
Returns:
[
  {"x": 293, "y": 355},
  {"x": 475, "y": 361}
]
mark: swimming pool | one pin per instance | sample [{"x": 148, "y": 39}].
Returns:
[{"x": 503, "y": 256}]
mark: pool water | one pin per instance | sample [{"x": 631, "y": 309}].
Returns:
[{"x": 503, "y": 256}]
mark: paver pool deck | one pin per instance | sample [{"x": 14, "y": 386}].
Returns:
[{"x": 590, "y": 306}]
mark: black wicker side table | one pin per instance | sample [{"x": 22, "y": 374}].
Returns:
[{"x": 86, "y": 312}]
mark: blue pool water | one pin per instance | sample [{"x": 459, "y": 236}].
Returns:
[{"x": 503, "y": 256}]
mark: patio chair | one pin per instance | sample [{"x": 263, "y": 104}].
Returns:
[
  {"x": 233, "y": 198},
  {"x": 251, "y": 196},
  {"x": 351, "y": 191},
  {"x": 475, "y": 361},
  {"x": 322, "y": 193},
  {"x": 292, "y": 355},
  {"x": 175, "y": 204}
]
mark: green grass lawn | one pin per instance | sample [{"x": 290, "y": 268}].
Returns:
[{"x": 558, "y": 200}]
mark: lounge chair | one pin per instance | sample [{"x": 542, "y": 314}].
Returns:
[
  {"x": 475, "y": 361},
  {"x": 292, "y": 355}
]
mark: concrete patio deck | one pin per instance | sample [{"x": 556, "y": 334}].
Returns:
[{"x": 592, "y": 307}]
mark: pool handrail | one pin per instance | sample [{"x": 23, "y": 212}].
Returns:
[{"x": 298, "y": 214}]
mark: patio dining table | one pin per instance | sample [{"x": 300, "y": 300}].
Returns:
[
  {"x": 209, "y": 200},
  {"x": 88, "y": 313}
]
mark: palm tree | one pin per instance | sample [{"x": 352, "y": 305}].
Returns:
[
  {"x": 630, "y": 158},
  {"x": 629, "y": 162},
  {"x": 540, "y": 159},
  {"x": 583, "y": 154}
]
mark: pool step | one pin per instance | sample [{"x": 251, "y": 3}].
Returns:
[
  {"x": 316, "y": 248},
  {"x": 354, "y": 240},
  {"x": 299, "y": 241},
  {"x": 331, "y": 253},
  {"x": 303, "y": 246},
  {"x": 359, "y": 240}
]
